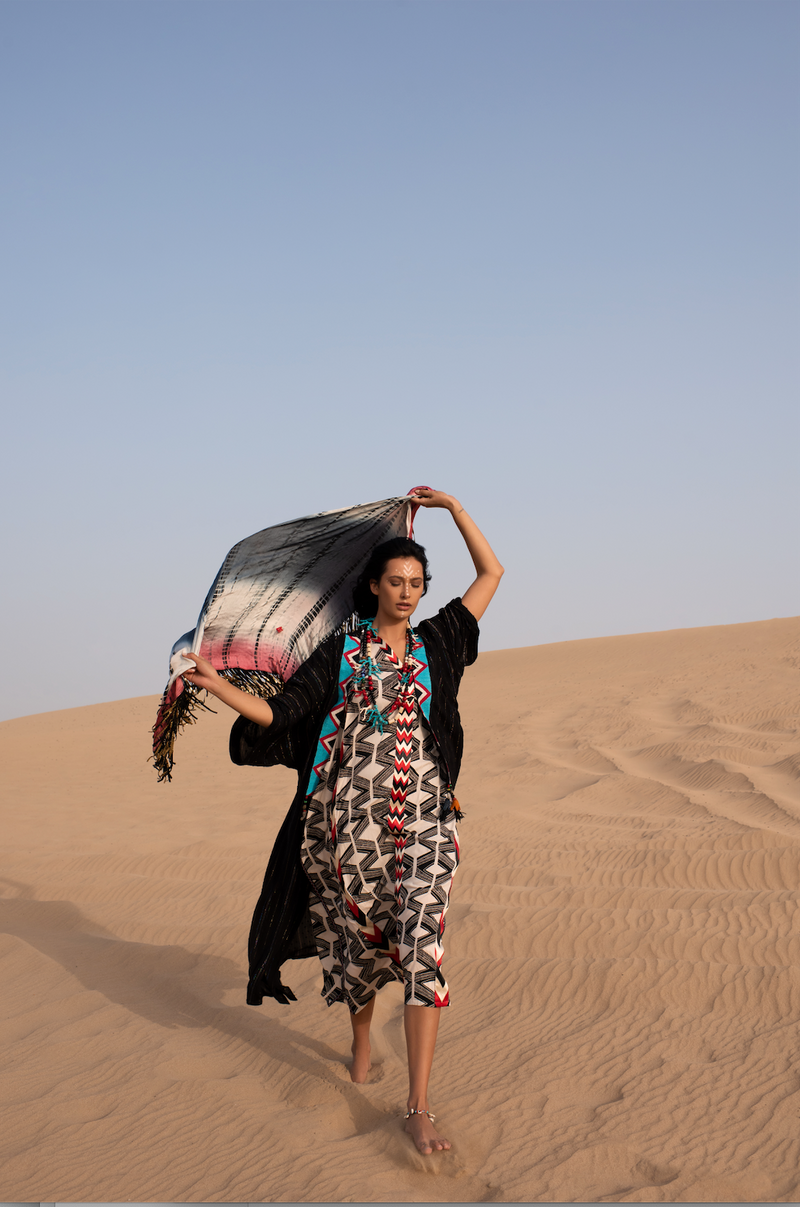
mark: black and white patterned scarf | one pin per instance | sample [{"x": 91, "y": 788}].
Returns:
[{"x": 278, "y": 594}]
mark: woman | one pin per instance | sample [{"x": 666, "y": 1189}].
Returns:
[{"x": 371, "y": 722}]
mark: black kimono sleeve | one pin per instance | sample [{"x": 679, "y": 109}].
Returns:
[
  {"x": 456, "y": 633},
  {"x": 297, "y": 715},
  {"x": 451, "y": 642},
  {"x": 281, "y": 926}
]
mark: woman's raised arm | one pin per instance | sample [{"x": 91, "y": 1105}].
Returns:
[
  {"x": 204, "y": 675},
  {"x": 478, "y": 596}
]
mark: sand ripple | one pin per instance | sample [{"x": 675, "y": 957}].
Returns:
[{"x": 623, "y": 946}]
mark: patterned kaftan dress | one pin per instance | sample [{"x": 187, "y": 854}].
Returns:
[{"x": 379, "y": 854}]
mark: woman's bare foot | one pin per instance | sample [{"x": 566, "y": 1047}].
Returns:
[
  {"x": 425, "y": 1135},
  {"x": 361, "y": 1063}
]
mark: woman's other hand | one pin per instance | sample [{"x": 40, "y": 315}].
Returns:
[
  {"x": 202, "y": 674},
  {"x": 247, "y": 705}
]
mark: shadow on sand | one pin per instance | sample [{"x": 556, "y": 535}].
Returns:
[{"x": 151, "y": 981}]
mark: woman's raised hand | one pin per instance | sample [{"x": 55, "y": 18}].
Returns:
[
  {"x": 427, "y": 497},
  {"x": 203, "y": 674}
]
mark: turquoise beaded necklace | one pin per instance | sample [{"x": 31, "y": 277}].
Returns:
[{"x": 364, "y": 680}]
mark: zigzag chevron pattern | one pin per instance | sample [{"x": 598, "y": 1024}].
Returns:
[{"x": 380, "y": 860}]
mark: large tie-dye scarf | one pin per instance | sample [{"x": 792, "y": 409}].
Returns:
[{"x": 278, "y": 594}]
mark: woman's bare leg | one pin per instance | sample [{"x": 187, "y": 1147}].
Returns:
[
  {"x": 421, "y": 1025},
  {"x": 361, "y": 1023}
]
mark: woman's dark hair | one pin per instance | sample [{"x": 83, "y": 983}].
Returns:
[{"x": 364, "y": 602}]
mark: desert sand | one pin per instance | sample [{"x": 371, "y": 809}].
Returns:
[{"x": 623, "y": 950}]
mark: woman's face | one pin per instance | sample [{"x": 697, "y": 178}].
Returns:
[{"x": 399, "y": 590}]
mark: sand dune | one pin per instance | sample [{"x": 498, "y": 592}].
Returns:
[{"x": 623, "y": 950}]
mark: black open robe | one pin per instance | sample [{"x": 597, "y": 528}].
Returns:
[{"x": 281, "y": 928}]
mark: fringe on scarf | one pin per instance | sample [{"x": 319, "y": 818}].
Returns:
[{"x": 184, "y": 710}]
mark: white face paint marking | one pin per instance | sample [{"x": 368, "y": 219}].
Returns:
[
  {"x": 399, "y": 590},
  {"x": 407, "y": 573}
]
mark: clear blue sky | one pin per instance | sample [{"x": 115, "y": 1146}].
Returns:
[{"x": 263, "y": 259}]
